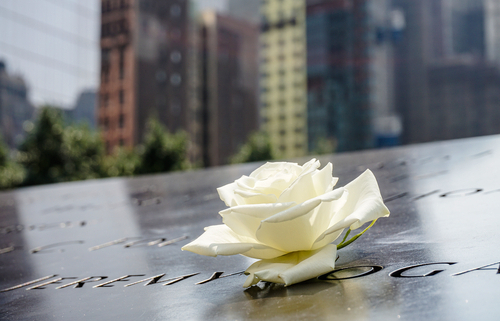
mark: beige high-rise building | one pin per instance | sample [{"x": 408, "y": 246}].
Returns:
[{"x": 283, "y": 76}]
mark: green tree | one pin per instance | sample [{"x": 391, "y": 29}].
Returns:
[
  {"x": 11, "y": 174},
  {"x": 41, "y": 152},
  {"x": 162, "y": 151},
  {"x": 83, "y": 153},
  {"x": 257, "y": 148},
  {"x": 123, "y": 162},
  {"x": 53, "y": 153}
]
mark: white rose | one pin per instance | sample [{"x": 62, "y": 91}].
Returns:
[{"x": 287, "y": 215}]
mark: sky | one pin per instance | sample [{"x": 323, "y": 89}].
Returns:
[{"x": 54, "y": 46}]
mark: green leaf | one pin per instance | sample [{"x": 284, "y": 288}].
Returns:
[{"x": 354, "y": 238}]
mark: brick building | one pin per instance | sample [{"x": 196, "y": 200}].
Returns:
[{"x": 144, "y": 68}]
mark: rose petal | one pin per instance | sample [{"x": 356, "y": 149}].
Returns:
[
  {"x": 363, "y": 204},
  {"x": 253, "y": 198},
  {"x": 323, "y": 180},
  {"x": 292, "y": 230},
  {"x": 278, "y": 180},
  {"x": 221, "y": 240},
  {"x": 302, "y": 189},
  {"x": 294, "y": 267},
  {"x": 270, "y": 169},
  {"x": 226, "y": 194},
  {"x": 245, "y": 220}
]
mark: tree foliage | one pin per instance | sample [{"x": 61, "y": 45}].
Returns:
[
  {"x": 123, "y": 162},
  {"x": 53, "y": 153},
  {"x": 11, "y": 174},
  {"x": 41, "y": 152},
  {"x": 162, "y": 151},
  {"x": 257, "y": 148},
  {"x": 83, "y": 152}
]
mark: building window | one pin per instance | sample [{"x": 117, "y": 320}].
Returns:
[
  {"x": 121, "y": 121},
  {"x": 106, "y": 6},
  {"x": 175, "y": 57},
  {"x": 123, "y": 26},
  {"x": 106, "y": 124},
  {"x": 161, "y": 76},
  {"x": 105, "y": 63},
  {"x": 175, "y": 79},
  {"x": 121, "y": 97},
  {"x": 105, "y": 100},
  {"x": 122, "y": 142},
  {"x": 122, "y": 62},
  {"x": 105, "y": 73}
]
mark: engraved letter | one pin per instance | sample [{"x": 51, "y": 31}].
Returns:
[
  {"x": 484, "y": 267},
  {"x": 462, "y": 192},
  {"x": 330, "y": 277},
  {"x": 101, "y": 246},
  {"x": 47, "y": 248},
  {"x": 144, "y": 242},
  {"x": 156, "y": 278},
  {"x": 425, "y": 195},
  {"x": 399, "y": 272},
  {"x": 55, "y": 281},
  {"x": 81, "y": 282},
  {"x": 121, "y": 278},
  {"x": 217, "y": 275},
  {"x": 28, "y": 283}
]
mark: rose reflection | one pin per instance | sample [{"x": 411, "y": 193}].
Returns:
[
  {"x": 265, "y": 290},
  {"x": 315, "y": 299}
]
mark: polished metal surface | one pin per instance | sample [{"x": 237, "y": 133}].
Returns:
[{"x": 110, "y": 249}]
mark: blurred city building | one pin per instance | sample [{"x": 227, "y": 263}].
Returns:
[
  {"x": 464, "y": 100},
  {"x": 84, "y": 110},
  {"x": 283, "y": 76},
  {"x": 15, "y": 108},
  {"x": 423, "y": 40},
  {"x": 445, "y": 86},
  {"x": 350, "y": 74},
  {"x": 229, "y": 91},
  {"x": 492, "y": 30},
  {"x": 145, "y": 63},
  {"x": 468, "y": 28},
  {"x": 54, "y": 45},
  {"x": 248, "y": 10}
]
